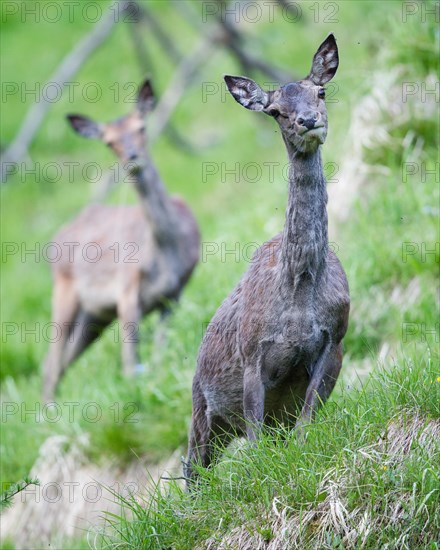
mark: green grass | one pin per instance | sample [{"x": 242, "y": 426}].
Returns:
[
  {"x": 33, "y": 208},
  {"x": 367, "y": 474},
  {"x": 149, "y": 416},
  {"x": 363, "y": 453}
]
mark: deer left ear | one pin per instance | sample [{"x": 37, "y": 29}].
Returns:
[
  {"x": 247, "y": 92},
  {"x": 146, "y": 98},
  {"x": 325, "y": 62},
  {"x": 85, "y": 127}
]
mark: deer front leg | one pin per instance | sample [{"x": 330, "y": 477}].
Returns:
[
  {"x": 253, "y": 402},
  {"x": 129, "y": 313},
  {"x": 323, "y": 379},
  {"x": 209, "y": 434},
  {"x": 199, "y": 436},
  {"x": 64, "y": 308}
]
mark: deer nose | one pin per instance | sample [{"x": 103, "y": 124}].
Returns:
[{"x": 308, "y": 119}]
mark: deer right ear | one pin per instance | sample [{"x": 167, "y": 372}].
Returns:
[
  {"x": 146, "y": 97},
  {"x": 325, "y": 62},
  {"x": 247, "y": 92},
  {"x": 85, "y": 126}
]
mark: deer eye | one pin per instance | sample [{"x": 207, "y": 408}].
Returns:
[{"x": 321, "y": 93}]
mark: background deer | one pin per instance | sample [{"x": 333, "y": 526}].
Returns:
[
  {"x": 148, "y": 252},
  {"x": 273, "y": 350}
]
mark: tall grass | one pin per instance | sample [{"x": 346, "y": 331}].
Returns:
[
  {"x": 229, "y": 212},
  {"x": 344, "y": 469},
  {"x": 367, "y": 473}
]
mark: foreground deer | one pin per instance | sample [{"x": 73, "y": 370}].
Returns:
[
  {"x": 146, "y": 253},
  {"x": 273, "y": 350}
]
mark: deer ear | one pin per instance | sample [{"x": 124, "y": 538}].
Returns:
[
  {"x": 325, "y": 62},
  {"x": 146, "y": 97},
  {"x": 85, "y": 126},
  {"x": 247, "y": 92}
]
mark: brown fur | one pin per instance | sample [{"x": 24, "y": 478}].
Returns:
[
  {"x": 148, "y": 254},
  {"x": 273, "y": 350}
]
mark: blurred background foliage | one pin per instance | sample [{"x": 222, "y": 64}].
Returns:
[{"x": 394, "y": 302}]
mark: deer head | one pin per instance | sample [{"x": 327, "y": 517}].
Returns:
[
  {"x": 298, "y": 107},
  {"x": 125, "y": 135}
]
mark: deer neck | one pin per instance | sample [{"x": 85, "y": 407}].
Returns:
[
  {"x": 156, "y": 203},
  {"x": 305, "y": 239}
]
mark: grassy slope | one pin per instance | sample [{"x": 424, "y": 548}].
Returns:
[
  {"x": 249, "y": 212},
  {"x": 368, "y": 473}
]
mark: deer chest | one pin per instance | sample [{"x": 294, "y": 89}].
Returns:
[{"x": 289, "y": 352}]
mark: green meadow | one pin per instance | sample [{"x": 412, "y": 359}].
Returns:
[{"x": 367, "y": 474}]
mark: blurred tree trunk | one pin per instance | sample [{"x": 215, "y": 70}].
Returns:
[{"x": 69, "y": 66}]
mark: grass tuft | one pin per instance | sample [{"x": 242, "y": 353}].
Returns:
[{"x": 366, "y": 473}]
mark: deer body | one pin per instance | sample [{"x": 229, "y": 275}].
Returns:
[
  {"x": 119, "y": 261},
  {"x": 128, "y": 256},
  {"x": 273, "y": 350}
]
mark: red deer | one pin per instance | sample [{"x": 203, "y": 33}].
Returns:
[
  {"x": 147, "y": 252},
  {"x": 273, "y": 350}
]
